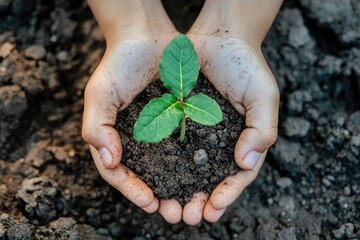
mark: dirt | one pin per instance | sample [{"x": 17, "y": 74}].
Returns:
[
  {"x": 308, "y": 187},
  {"x": 175, "y": 169}
]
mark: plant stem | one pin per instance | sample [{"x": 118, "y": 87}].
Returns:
[{"x": 183, "y": 128}]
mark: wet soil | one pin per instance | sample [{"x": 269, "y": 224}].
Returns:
[{"x": 308, "y": 187}]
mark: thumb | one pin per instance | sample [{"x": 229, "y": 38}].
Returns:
[
  {"x": 101, "y": 106},
  {"x": 261, "y": 123}
]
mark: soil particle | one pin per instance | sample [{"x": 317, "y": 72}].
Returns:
[
  {"x": 266, "y": 230},
  {"x": 200, "y": 157},
  {"x": 355, "y": 144},
  {"x": 288, "y": 206},
  {"x": 62, "y": 25},
  {"x": 63, "y": 56},
  {"x": 330, "y": 65},
  {"x": 6, "y": 49},
  {"x": 345, "y": 231},
  {"x": 296, "y": 127},
  {"x": 35, "y": 52},
  {"x": 353, "y": 122},
  {"x": 115, "y": 230},
  {"x": 67, "y": 228},
  {"x": 328, "y": 13},
  {"x": 12, "y": 101},
  {"x": 290, "y": 160},
  {"x": 62, "y": 224},
  {"x": 326, "y": 182},
  {"x": 19, "y": 231},
  {"x": 297, "y": 100},
  {"x": 297, "y": 34},
  {"x": 41, "y": 198},
  {"x": 284, "y": 182},
  {"x": 32, "y": 85},
  {"x": 213, "y": 140},
  {"x": 347, "y": 191},
  {"x": 13, "y": 104}
]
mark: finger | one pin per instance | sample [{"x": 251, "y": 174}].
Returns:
[
  {"x": 261, "y": 122},
  {"x": 230, "y": 189},
  {"x": 212, "y": 214},
  {"x": 124, "y": 180},
  {"x": 153, "y": 207},
  {"x": 171, "y": 210},
  {"x": 100, "y": 110},
  {"x": 193, "y": 210}
]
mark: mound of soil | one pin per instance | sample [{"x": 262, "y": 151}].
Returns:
[{"x": 175, "y": 169}]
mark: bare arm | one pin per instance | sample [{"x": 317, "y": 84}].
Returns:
[
  {"x": 119, "y": 17},
  {"x": 247, "y": 18}
]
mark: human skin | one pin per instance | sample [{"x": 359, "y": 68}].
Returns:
[
  {"x": 228, "y": 36},
  {"x": 136, "y": 33}
]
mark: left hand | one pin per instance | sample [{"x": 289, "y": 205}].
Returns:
[{"x": 240, "y": 73}]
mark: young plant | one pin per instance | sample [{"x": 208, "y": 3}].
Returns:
[{"x": 179, "y": 69}]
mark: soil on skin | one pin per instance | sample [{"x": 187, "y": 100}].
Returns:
[
  {"x": 174, "y": 169},
  {"x": 308, "y": 187}
]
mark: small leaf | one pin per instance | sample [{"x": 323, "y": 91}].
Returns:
[
  {"x": 179, "y": 66},
  {"x": 203, "y": 109},
  {"x": 158, "y": 119}
]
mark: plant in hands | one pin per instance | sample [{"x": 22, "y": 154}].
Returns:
[{"x": 179, "y": 69}]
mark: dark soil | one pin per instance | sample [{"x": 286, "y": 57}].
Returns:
[
  {"x": 308, "y": 187},
  {"x": 175, "y": 169}
]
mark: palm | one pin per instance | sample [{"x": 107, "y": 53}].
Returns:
[
  {"x": 126, "y": 69},
  {"x": 237, "y": 70}
]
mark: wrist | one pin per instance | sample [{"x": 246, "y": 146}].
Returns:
[
  {"x": 247, "y": 20},
  {"x": 129, "y": 19}
]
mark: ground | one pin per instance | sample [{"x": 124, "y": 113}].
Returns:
[{"x": 308, "y": 188}]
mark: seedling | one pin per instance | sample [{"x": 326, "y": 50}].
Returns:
[{"x": 179, "y": 70}]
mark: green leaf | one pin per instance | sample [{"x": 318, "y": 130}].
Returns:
[
  {"x": 158, "y": 119},
  {"x": 179, "y": 66},
  {"x": 203, "y": 109}
]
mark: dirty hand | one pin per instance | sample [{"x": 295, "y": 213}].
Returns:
[
  {"x": 135, "y": 43},
  {"x": 231, "y": 58}
]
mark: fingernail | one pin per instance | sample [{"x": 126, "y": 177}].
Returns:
[
  {"x": 105, "y": 156},
  {"x": 251, "y": 159}
]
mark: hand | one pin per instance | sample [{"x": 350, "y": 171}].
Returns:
[
  {"x": 136, "y": 34},
  {"x": 227, "y": 36},
  {"x": 239, "y": 72},
  {"x": 127, "y": 67}
]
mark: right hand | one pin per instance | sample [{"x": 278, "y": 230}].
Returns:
[
  {"x": 127, "y": 67},
  {"x": 136, "y": 34}
]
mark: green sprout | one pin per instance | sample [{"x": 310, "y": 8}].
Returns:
[{"x": 179, "y": 70}]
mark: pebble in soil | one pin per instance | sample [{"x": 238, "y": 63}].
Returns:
[{"x": 174, "y": 169}]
